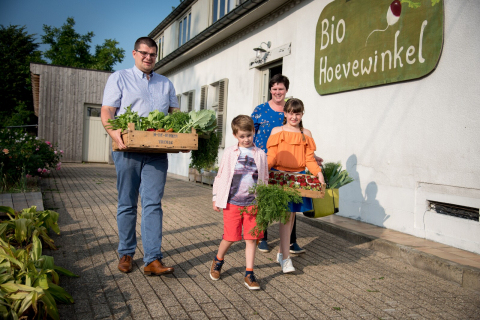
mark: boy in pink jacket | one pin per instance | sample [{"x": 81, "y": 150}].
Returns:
[{"x": 243, "y": 165}]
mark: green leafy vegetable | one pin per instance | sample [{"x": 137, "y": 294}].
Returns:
[
  {"x": 204, "y": 121},
  {"x": 175, "y": 121},
  {"x": 334, "y": 176},
  {"x": 271, "y": 204}
]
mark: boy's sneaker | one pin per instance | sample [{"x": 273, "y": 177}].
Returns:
[
  {"x": 295, "y": 248},
  {"x": 251, "y": 282},
  {"x": 263, "y": 246},
  {"x": 279, "y": 258},
  {"x": 216, "y": 269},
  {"x": 287, "y": 266}
]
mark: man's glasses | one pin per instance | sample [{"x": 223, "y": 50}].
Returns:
[{"x": 145, "y": 54}]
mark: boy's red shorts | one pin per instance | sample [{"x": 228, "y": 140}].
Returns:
[{"x": 233, "y": 222}]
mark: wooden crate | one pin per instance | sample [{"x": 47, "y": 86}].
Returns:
[
  {"x": 157, "y": 142},
  {"x": 312, "y": 194},
  {"x": 304, "y": 193}
]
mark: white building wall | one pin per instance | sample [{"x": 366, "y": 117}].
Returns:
[
  {"x": 171, "y": 38},
  {"x": 200, "y": 17},
  {"x": 404, "y": 143}
]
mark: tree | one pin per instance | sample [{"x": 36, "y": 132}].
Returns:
[
  {"x": 17, "y": 50},
  {"x": 69, "y": 48}
]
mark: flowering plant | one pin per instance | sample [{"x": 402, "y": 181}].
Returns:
[
  {"x": 22, "y": 154},
  {"x": 295, "y": 181}
]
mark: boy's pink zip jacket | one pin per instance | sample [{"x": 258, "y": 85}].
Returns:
[{"x": 223, "y": 180}]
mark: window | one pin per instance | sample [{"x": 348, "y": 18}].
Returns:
[
  {"x": 184, "y": 29},
  {"x": 179, "y": 100},
  {"x": 187, "y": 101},
  {"x": 161, "y": 44},
  {"x": 222, "y": 7},
  {"x": 203, "y": 97},
  {"x": 219, "y": 104}
]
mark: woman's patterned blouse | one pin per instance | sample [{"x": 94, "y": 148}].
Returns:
[{"x": 265, "y": 119}]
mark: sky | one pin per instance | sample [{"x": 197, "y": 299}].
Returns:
[{"x": 124, "y": 21}]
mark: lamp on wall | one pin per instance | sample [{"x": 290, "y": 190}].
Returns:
[{"x": 259, "y": 49}]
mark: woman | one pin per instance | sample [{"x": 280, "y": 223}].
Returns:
[{"x": 267, "y": 116}]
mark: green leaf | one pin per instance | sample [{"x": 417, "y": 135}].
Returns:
[
  {"x": 14, "y": 287},
  {"x": 21, "y": 229},
  {"x": 60, "y": 294},
  {"x": 50, "y": 305},
  {"x": 36, "y": 251},
  {"x": 65, "y": 272},
  {"x": 7, "y": 210},
  {"x": 30, "y": 300},
  {"x": 12, "y": 260}
]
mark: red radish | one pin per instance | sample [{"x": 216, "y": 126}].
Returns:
[{"x": 393, "y": 15}]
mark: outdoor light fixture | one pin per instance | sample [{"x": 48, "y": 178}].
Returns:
[{"x": 259, "y": 49}]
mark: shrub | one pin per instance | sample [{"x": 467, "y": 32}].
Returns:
[
  {"x": 22, "y": 154},
  {"x": 29, "y": 280}
]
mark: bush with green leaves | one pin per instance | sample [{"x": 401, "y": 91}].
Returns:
[
  {"x": 23, "y": 154},
  {"x": 29, "y": 280},
  {"x": 19, "y": 229},
  {"x": 207, "y": 154}
]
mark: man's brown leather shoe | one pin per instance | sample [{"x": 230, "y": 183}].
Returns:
[
  {"x": 125, "y": 264},
  {"x": 156, "y": 268}
]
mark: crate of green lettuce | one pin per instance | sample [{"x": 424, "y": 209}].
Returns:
[{"x": 158, "y": 133}]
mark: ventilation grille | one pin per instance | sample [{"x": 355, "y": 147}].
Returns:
[{"x": 454, "y": 210}]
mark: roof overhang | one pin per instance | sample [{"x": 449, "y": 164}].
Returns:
[{"x": 236, "y": 20}]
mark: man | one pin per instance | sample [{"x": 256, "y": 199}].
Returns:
[{"x": 146, "y": 173}]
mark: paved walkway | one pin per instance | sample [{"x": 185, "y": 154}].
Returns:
[{"x": 334, "y": 279}]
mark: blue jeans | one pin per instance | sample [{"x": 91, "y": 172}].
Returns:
[{"x": 146, "y": 173}]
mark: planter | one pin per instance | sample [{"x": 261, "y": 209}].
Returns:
[
  {"x": 326, "y": 206},
  {"x": 192, "y": 173},
  {"x": 208, "y": 177}
]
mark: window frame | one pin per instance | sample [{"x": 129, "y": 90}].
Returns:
[
  {"x": 183, "y": 33},
  {"x": 161, "y": 46},
  {"x": 226, "y": 8}
]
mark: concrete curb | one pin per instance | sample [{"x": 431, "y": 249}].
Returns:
[{"x": 466, "y": 276}]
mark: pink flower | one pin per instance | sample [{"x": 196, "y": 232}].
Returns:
[
  {"x": 44, "y": 170},
  {"x": 58, "y": 168},
  {"x": 5, "y": 151},
  {"x": 55, "y": 152},
  {"x": 61, "y": 151},
  {"x": 28, "y": 176},
  {"x": 39, "y": 170},
  {"x": 36, "y": 149},
  {"x": 48, "y": 142}
]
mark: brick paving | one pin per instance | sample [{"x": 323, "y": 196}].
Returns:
[{"x": 334, "y": 279}]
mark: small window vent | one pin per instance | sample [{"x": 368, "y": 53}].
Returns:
[{"x": 454, "y": 210}]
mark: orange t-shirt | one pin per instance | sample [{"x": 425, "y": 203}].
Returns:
[{"x": 287, "y": 151}]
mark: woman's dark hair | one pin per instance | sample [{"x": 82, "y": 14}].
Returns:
[
  {"x": 146, "y": 41},
  {"x": 295, "y": 106},
  {"x": 279, "y": 78}
]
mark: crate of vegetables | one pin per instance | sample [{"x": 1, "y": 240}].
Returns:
[
  {"x": 308, "y": 185},
  {"x": 158, "y": 133}
]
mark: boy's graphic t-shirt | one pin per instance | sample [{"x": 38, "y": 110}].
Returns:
[{"x": 245, "y": 176}]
